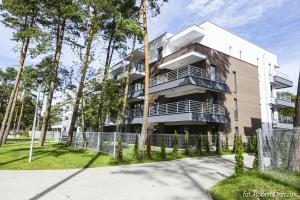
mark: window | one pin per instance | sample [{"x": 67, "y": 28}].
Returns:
[
  {"x": 213, "y": 72},
  {"x": 235, "y": 83},
  {"x": 235, "y": 110},
  {"x": 159, "y": 53},
  {"x": 240, "y": 54}
]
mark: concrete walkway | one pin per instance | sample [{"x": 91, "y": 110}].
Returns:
[{"x": 184, "y": 179}]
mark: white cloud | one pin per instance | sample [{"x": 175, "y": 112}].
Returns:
[{"x": 228, "y": 13}]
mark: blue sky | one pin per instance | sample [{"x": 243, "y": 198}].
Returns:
[{"x": 271, "y": 24}]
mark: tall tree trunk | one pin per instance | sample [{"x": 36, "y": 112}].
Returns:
[
  {"x": 109, "y": 53},
  {"x": 59, "y": 41},
  {"x": 297, "y": 111},
  {"x": 121, "y": 114},
  {"x": 23, "y": 53},
  {"x": 8, "y": 126},
  {"x": 90, "y": 38},
  {"x": 15, "y": 123},
  {"x": 83, "y": 123},
  {"x": 21, "y": 111},
  {"x": 147, "y": 75}
]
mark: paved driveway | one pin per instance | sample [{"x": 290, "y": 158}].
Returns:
[{"x": 184, "y": 179}]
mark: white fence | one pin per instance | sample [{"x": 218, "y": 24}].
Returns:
[
  {"x": 50, "y": 135},
  {"x": 107, "y": 141}
]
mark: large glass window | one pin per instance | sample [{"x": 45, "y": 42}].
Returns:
[{"x": 159, "y": 53}]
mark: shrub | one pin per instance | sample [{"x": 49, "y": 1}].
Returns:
[
  {"x": 255, "y": 161},
  {"x": 226, "y": 144},
  {"x": 163, "y": 148},
  {"x": 186, "y": 143},
  {"x": 207, "y": 145},
  {"x": 218, "y": 146},
  {"x": 148, "y": 149},
  {"x": 136, "y": 148},
  {"x": 199, "y": 146},
  {"x": 249, "y": 145},
  {"x": 175, "y": 143},
  {"x": 234, "y": 143},
  {"x": 239, "y": 159},
  {"x": 254, "y": 143},
  {"x": 119, "y": 149}
]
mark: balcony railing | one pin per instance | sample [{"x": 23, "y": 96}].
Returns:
[
  {"x": 280, "y": 74},
  {"x": 179, "y": 107},
  {"x": 285, "y": 119},
  {"x": 283, "y": 96},
  {"x": 186, "y": 71},
  {"x": 186, "y": 106}
]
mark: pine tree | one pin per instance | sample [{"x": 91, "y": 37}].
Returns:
[
  {"x": 226, "y": 144},
  {"x": 199, "y": 146},
  {"x": 249, "y": 145},
  {"x": 136, "y": 150},
  {"x": 163, "y": 154},
  {"x": 186, "y": 143},
  {"x": 218, "y": 145},
  {"x": 175, "y": 143},
  {"x": 234, "y": 143},
  {"x": 120, "y": 149},
  {"x": 239, "y": 159},
  {"x": 254, "y": 143}
]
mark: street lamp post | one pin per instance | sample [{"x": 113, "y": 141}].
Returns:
[{"x": 39, "y": 81}]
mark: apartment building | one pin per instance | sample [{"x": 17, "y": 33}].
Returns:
[{"x": 206, "y": 80}]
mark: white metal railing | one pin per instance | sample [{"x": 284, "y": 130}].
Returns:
[
  {"x": 179, "y": 107},
  {"x": 283, "y": 96},
  {"x": 285, "y": 119},
  {"x": 280, "y": 74},
  {"x": 188, "y": 70}
]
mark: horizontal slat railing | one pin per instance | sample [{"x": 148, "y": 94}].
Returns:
[
  {"x": 283, "y": 96},
  {"x": 179, "y": 107},
  {"x": 188, "y": 70},
  {"x": 285, "y": 119}
]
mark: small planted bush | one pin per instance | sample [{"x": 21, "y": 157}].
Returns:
[
  {"x": 175, "y": 143},
  {"x": 163, "y": 154},
  {"x": 119, "y": 149},
  {"x": 234, "y": 143},
  {"x": 136, "y": 150},
  {"x": 218, "y": 145},
  {"x": 186, "y": 143},
  {"x": 226, "y": 144},
  {"x": 199, "y": 146},
  {"x": 239, "y": 159},
  {"x": 255, "y": 161}
]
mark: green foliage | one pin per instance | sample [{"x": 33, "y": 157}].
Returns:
[
  {"x": 218, "y": 145},
  {"x": 286, "y": 111},
  {"x": 199, "y": 146},
  {"x": 207, "y": 144},
  {"x": 226, "y": 144},
  {"x": 136, "y": 150},
  {"x": 249, "y": 144},
  {"x": 255, "y": 161},
  {"x": 254, "y": 143},
  {"x": 120, "y": 149},
  {"x": 186, "y": 143},
  {"x": 234, "y": 143},
  {"x": 163, "y": 148},
  {"x": 175, "y": 143},
  {"x": 284, "y": 151},
  {"x": 239, "y": 159}
]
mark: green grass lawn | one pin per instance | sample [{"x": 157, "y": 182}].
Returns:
[
  {"x": 253, "y": 182},
  {"x": 14, "y": 155}
]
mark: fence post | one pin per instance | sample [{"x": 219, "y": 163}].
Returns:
[
  {"x": 98, "y": 144},
  {"x": 259, "y": 148},
  {"x": 115, "y": 136}
]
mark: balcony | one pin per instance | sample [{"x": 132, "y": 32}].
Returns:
[
  {"x": 134, "y": 96},
  {"x": 283, "y": 100},
  {"x": 188, "y": 111},
  {"x": 283, "y": 122},
  {"x": 280, "y": 80},
  {"x": 188, "y": 55},
  {"x": 187, "y": 80}
]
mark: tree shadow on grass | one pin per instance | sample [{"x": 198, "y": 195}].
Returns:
[{"x": 49, "y": 189}]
